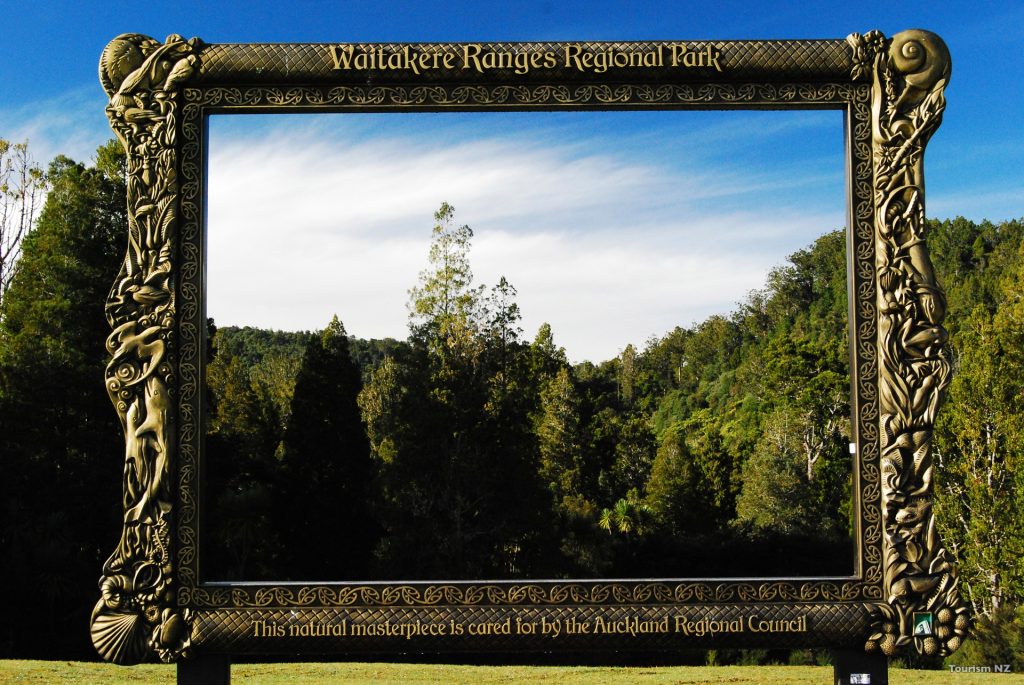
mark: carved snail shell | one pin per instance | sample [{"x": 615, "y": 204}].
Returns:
[
  {"x": 114, "y": 590},
  {"x": 122, "y": 56},
  {"x": 923, "y": 59}
]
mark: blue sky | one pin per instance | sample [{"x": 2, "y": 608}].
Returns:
[
  {"x": 51, "y": 96},
  {"x": 613, "y": 226}
]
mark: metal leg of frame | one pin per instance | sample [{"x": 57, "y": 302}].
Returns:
[
  {"x": 855, "y": 667},
  {"x": 205, "y": 670}
]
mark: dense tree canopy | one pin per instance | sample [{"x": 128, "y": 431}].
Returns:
[
  {"x": 466, "y": 450},
  {"x": 60, "y": 447}
]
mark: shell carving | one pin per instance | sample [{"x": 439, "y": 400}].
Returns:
[{"x": 119, "y": 636}]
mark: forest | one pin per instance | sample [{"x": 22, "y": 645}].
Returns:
[
  {"x": 467, "y": 451},
  {"x": 475, "y": 449}
]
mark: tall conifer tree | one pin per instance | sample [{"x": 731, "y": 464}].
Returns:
[
  {"x": 60, "y": 449},
  {"x": 330, "y": 530}
]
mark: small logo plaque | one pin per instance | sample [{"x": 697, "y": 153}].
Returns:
[{"x": 923, "y": 623}]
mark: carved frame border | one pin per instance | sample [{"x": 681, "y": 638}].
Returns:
[
  {"x": 855, "y": 99},
  {"x": 153, "y": 601}
]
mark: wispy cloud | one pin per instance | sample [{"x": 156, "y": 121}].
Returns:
[
  {"x": 71, "y": 124},
  {"x": 609, "y": 244}
]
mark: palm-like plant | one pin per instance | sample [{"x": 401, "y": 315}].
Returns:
[{"x": 628, "y": 515}]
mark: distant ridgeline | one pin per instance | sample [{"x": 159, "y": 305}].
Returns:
[
  {"x": 260, "y": 349},
  {"x": 469, "y": 452}
]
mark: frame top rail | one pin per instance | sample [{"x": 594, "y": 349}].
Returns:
[{"x": 591, "y": 61}]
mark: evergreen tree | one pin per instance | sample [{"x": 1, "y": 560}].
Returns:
[
  {"x": 447, "y": 420},
  {"x": 627, "y": 375},
  {"x": 776, "y": 495},
  {"x": 61, "y": 448},
  {"x": 980, "y": 450},
  {"x": 329, "y": 525},
  {"x": 559, "y": 439},
  {"x": 546, "y": 358},
  {"x": 242, "y": 538},
  {"x": 445, "y": 306},
  {"x": 635, "y": 450},
  {"x": 675, "y": 494}
]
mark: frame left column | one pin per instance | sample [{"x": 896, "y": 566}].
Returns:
[{"x": 137, "y": 616}]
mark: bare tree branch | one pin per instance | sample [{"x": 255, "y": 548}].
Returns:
[{"x": 23, "y": 187}]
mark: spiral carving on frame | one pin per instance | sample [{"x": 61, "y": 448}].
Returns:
[
  {"x": 136, "y": 616},
  {"x": 923, "y": 607}
]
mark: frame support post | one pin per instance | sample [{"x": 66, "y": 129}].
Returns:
[
  {"x": 856, "y": 667},
  {"x": 211, "y": 669}
]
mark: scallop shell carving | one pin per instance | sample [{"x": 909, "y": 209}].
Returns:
[{"x": 119, "y": 636}]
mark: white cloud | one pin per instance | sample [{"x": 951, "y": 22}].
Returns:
[
  {"x": 604, "y": 295},
  {"x": 71, "y": 124},
  {"x": 608, "y": 248}
]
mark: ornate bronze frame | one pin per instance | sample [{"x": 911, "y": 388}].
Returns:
[{"x": 154, "y": 602}]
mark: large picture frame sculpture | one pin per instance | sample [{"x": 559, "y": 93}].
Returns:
[{"x": 903, "y": 593}]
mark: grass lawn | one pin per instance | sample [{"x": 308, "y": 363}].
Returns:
[{"x": 64, "y": 672}]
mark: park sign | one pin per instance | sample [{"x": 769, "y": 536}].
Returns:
[
  {"x": 158, "y": 599},
  {"x": 483, "y": 59}
]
